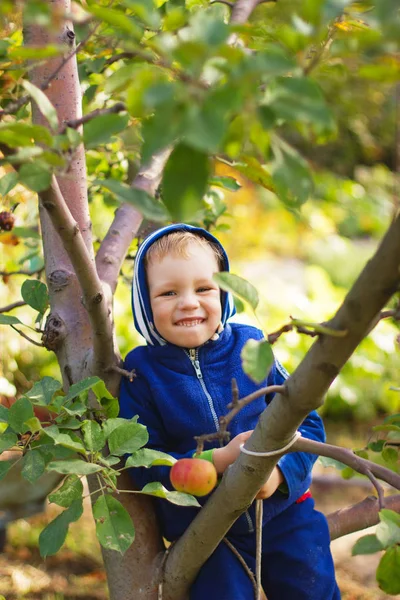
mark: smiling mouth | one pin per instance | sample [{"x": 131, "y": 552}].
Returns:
[{"x": 189, "y": 322}]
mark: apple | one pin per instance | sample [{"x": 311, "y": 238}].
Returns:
[{"x": 194, "y": 476}]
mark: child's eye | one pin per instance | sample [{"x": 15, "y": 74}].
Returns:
[
  {"x": 169, "y": 293},
  {"x": 204, "y": 289}
]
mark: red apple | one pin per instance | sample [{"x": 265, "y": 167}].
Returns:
[{"x": 194, "y": 476}]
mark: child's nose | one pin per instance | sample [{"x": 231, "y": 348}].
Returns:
[{"x": 188, "y": 301}]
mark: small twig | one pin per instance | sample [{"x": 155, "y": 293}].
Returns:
[
  {"x": 118, "y": 57},
  {"x": 230, "y": 4},
  {"x": 346, "y": 456},
  {"x": 27, "y": 337},
  {"x": 15, "y": 106},
  {"x": 210, "y": 437},
  {"x": 235, "y": 392},
  {"x": 396, "y": 195},
  {"x": 305, "y": 327},
  {"x": 235, "y": 406},
  {"x": 21, "y": 272},
  {"x": 75, "y": 123},
  {"x": 12, "y": 306},
  {"x": 129, "y": 374},
  {"x": 378, "y": 487},
  {"x": 319, "y": 54},
  {"x": 244, "y": 565},
  {"x": 259, "y": 520},
  {"x": 272, "y": 337}
]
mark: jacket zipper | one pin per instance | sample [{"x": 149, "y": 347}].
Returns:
[{"x": 193, "y": 354}]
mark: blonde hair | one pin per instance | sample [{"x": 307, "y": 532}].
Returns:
[{"x": 177, "y": 243}]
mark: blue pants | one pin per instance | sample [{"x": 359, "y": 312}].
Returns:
[{"x": 296, "y": 561}]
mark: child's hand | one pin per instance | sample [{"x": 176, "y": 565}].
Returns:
[
  {"x": 223, "y": 457},
  {"x": 271, "y": 485}
]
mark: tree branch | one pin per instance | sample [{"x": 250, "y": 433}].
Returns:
[
  {"x": 12, "y": 306},
  {"x": 93, "y": 294},
  {"x": 21, "y": 272},
  {"x": 76, "y": 123},
  {"x": 359, "y": 516},
  {"x": 346, "y": 456},
  {"x": 21, "y": 333},
  {"x": 126, "y": 223}
]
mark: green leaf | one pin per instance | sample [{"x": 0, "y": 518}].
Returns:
[
  {"x": 114, "y": 527},
  {"x": 127, "y": 438},
  {"x": 334, "y": 8},
  {"x": 9, "y": 320},
  {"x": 7, "y": 441},
  {"x": 82, "y": 386},
  {"x": 93, "y": 436},
  {"x": 70, "y": 441},
  {"x": 117, "y": 19},
  {"x": 376, "y": 446},
  {"x": 253, "y": 170},
  {"x": 73, "y": 467},
  {"x": 42, "y": 392},
  {"x": 157, "y": 489},
  {"x": 110, "y": 407},
  {"x": 35, "y": 294},
  {"x": 146, "y": 10},
  {"x": 101, "y": 129},
  {"x": 71, "y": 490},
  {"x": 291, "y": 175},
  {"x": 300, "y": 99},
  {"x": 53, "y": 536},
  {"x": 16, "y": 135},
  {"x": 257, "y": 359},
  {"x": 5, "y": 466},
  {"x": 388, "y": 530},
  {"x": 184, "y": 182},
  {"x": 388, "y": 572},
  {"x": 35, "y": 52},
  {"x": 238, "y": 287},
  {"x": 43, "y": 104},
  {"x": 33, "y": 466},
  {"x": 18, "y": 413},
  {"x": 3, "y": 414},
  {"x": 390, "y": 455},
  {"x": 8, "y": 182},
  {"x": 27, "y": 232},
  {"x": 111, "y": 424},
  {"x": 368, "y": 544},
  {"x": 146, "y": 205},
  {"x": 206, "y": 127},
  {"x": 34, "y": 176},
  {"x": 229, "y": 183},
  {"x": 145, "y": 457},
  {"x": 34, "y": 425},
  {"x": 272, "y": 61}
]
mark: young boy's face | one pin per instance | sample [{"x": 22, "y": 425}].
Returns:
[{"x": 184, "y": 298}]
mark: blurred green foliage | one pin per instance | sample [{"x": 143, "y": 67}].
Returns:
[{"x": 305, "y": 122}]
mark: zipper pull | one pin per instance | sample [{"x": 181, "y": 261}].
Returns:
[{"x": 196, "y": 365}]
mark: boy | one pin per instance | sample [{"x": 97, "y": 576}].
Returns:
[{"x": 182, "y": 387}]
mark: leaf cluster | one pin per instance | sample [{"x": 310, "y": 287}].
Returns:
[{"x": 53, "y": 431}]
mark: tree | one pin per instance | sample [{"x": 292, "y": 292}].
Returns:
[{"x": 178, "y": 85}]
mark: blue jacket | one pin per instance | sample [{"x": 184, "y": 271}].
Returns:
[{"x": 180, "y": 393}]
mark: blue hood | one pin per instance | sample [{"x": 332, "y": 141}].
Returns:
[{"x": 142, "y": 313}]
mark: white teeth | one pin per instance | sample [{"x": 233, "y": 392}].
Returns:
[{"x": 189, "y": 323}]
